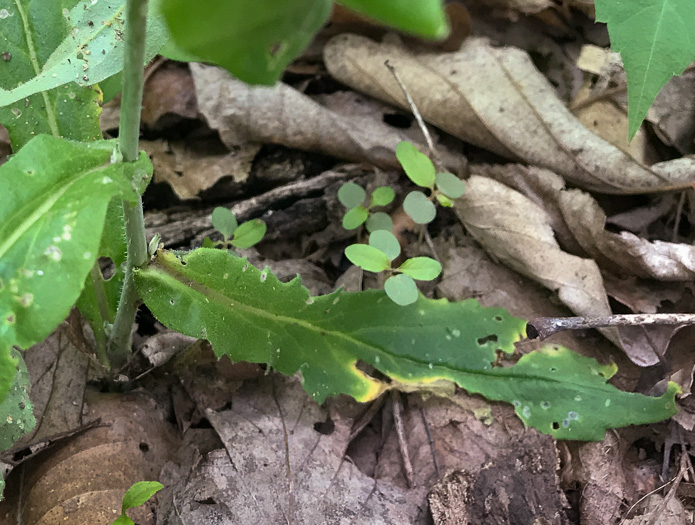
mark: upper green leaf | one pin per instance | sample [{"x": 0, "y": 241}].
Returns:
[
  {"x": 382, "y": 196},
  {"x": 249, "y": 233},
  {"x": 656, "y": 41},
  {"x": 224, "y": 221},
  {"x": 90, "y": 51},
  {"x": 419, "y": 207},
  {"x": 139, "y": 493},
  {"x": 420, "y": 17},
  {"x": 351, "y": 195},
  {"x": 417, "y": 166},
  {"x": 450, "y": 185},
  {"x": 55, "y": 195},
  {"x": 254, "y": 40},
  {"x": 385, "y": 242},
  {"x": 249, "y": 315},
  {"x": 421, "y": 268}
]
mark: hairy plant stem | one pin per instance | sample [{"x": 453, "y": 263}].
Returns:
[{"x": 118, "y": 348}]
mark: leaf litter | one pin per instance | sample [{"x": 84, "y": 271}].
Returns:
[{"x": 531, "y": 217}]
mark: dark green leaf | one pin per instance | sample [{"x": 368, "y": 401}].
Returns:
[
  {"x": 419, "y": 207},
  {"x": 417, "y": 166},
  {"x": 248, "y": 234},
  {"x": 16, "y": 408},
  {"x": 56, "y": 193},
  {"x": 224, "y": 221},
  {"x": 8, "y": 370},
  {"x": 367, "y": 257},
  {"x": 420, "y": 17},
  {"x": 254, "y": 40},
  {"x": 351, "y": 195},
  {"x": 401, "y": 289}
]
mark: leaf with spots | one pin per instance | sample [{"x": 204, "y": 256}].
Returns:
[
  {"x": 335, "y": 340},
  {"x": 55, "y": 195},
  {"x": 48, "y": 44}
]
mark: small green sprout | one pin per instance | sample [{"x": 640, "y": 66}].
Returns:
[
  {"x": 377, "y": 256},
  {"x": 444, "y": 187},
  {"x": 353, "y": 196},
  {"x": 136, "y": 495},
  {"x": 235, "y": 235}
]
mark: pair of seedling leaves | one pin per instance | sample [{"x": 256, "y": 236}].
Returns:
[{"x": 63, "y": 193}]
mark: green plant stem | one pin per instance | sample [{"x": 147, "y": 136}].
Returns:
[
  {"x": 118, "y": 349},
  {"x": 100, "y": 293}
]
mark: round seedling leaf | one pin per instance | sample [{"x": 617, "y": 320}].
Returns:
[
  {"x": 450, "y": 185},
  {"x": 444, "y": 200},
  {"x": 223, "y": 221},
  {"x": 419, "y": 207},
  {"x": 417, "y": 167},
  {"x": 248, "y": 234},
  {"x": 401, "y": 289},
  {"x": 355, "y": 217},
  {"x": 379, "y": 221},
  {"x": 421, "y": 268},
  {"x": 385, "y": 242},
  {"x": 382, "y": 196},
  {"x": 367, "y": 257},
  {"x": 351, "y": 195}
]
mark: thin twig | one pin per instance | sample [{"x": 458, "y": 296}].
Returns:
[
  {"x": 677, "y": 221},
  {"x": 400, "y": 434},
  {"x": 416, "y": 113},
  {"x": 544, "y": 327},
  {"x": 430, "y": 440}
]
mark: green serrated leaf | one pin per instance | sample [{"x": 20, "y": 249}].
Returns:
[
  {"x": 656, "y": 41},
  {"x": 382, "y": 196},
  {"x": 421, "y": 268},
  {"x": 367, "y": 257},
  {"x": 139, "y": 493},
  {"x": 254, "y": 40},
  {"x": 385, "y": 242},
  {"x": 401, "y": 289},
  {"x": 417, "y": 166},
  {"x": 450, "y": 185},
  {"x": 355, "y": 217},
  {"x": 379, "y": 221},
  {"x": 56, "y": 194},
  {"x": 16, "y": 409},
  {"x": 91, "y": 49},
  {"x": 224, "y": 221},
  {"x": 421, "y": 17},
  {"x": 351, "y": 195},
  {"x": 419, "y": 207},
  {"x": 249, "y": 233},
  {"x": 250, "y": 315}
]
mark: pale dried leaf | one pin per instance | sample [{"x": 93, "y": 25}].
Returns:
[
  {"x": 524, "y": 120},
  {"x": 282, "y": 115},
  {"x": 514, "y": 229}
]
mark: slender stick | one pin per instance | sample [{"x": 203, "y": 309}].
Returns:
[
  {"x": 543, "y": 327},
  {"x": 128, "y": 137}
]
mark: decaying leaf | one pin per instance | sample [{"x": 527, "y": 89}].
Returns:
[
  {"x": 282, "y": 115},
  {"x": 189, "y": 171},
  {"x": 517, "y": 231},
  {"x": 524, "y": 121}
]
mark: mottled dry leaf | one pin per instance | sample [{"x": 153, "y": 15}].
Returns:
[
  {"x": 282, "y": 115},
  {"x": 496, "y": 99},
  {"x": 517, "y": 231},
  {"x": 189, "y": 171}
]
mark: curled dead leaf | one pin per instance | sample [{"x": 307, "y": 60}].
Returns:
[{"x": 524, "y": 120}]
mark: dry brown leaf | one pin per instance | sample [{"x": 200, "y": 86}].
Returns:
[
  {"x": 496, "y": 99},
  {"x": 673, "y": 113},
  {"x": 514, "y": 229},
  {"x": 189, "y": 171},
  {"x": 282, "y": 115}
]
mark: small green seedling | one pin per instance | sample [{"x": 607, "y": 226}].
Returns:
[
  {"x": 444, "y": 187},
  {"x": 235, "y": 235},
  {"x": 136, "y": 495},
  {"x": 353, "y": 196},
  {"x": 377, "y": 256}
]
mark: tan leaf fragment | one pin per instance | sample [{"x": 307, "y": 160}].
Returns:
[
  {"x": 496, "y": 99},
  {"x": 282, "y": 115},
  {"x": 517, "y": 231},
  {"x": 189, "y": 171}
]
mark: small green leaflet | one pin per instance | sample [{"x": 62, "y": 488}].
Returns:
[
  {"x": 249, "y": 315},
  {"x": 137, "y": 495},
  {"x": 56, "y": 194},
  {"x": 420, "y": 17},
  {"x": 656, "y": 41}
]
